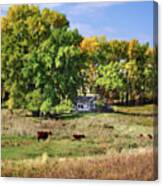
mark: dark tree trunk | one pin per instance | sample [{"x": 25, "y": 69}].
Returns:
[{"x": 127, "y": 96}]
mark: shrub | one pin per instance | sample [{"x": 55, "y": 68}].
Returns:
[
  {"x": 34, "y": 100},
  {"x": 66, "y": 106}
]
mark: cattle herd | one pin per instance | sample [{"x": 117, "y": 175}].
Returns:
[
  {"x": 45, "y": 134},
  {"x": 77, "y": 136}
]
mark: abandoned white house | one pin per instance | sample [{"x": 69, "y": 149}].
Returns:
[{"x": 85, "y": 103}]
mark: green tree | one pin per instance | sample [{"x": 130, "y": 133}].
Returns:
[
  {"x": 128, "y": 71},
  {"x": 91, "y": 47},
  {"x": 42, "y": 63},
  {"x": 111, "y": 80},
  {"x": 151, "y": 74},
  {"x": 117, "y": 50}
]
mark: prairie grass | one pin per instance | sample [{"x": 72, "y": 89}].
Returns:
[
  {"x": 136, "y": 165},
  {"x": 113, "y": 148}
]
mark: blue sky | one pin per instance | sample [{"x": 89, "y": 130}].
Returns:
[{"x": 116, "y": 20}]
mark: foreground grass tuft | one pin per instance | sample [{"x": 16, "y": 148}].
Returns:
[{"x": 133, "y": 166}]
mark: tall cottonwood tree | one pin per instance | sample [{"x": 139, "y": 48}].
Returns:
[
  {"x": 129, "y": 70},
  {"x": 41, "y": 59}
]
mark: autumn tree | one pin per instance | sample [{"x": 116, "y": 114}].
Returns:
[
  {"x": 151, "y": 74},
  {"x": 41, "y": 59},
  {"x": 91, "y": 47},
  {"x": 129, "y": 71},
  {"x": 117, "y": 50},
  {"x": 111, "y": 80},
  {"x": 97, "y": 50}
]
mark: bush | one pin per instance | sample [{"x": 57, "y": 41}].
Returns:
[
  {"x": 66, "y": 106},
  {"x": 46, "y": 106},
  {"x": 34, "y": 100}
]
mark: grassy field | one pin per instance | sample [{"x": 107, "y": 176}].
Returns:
[{"x": 117, "y": 145}]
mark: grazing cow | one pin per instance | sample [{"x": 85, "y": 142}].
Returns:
[
  {"x": 43, "y": 135},
  {"x": 150, "y": 136},
  {"x": 141, "y": 136},
  {"x": 78, "y": 136}
]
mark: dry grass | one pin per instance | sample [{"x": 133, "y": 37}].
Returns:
[
  {"x": 136, "y": 165},
  {"x": 117, "y": 145}
]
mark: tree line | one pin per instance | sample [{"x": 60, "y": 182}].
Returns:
[
  {"x": 125, "y": 71},
  {"x": 45, "y": 64}
]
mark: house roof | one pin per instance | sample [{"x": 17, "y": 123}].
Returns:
[{"x": 85, "y": 98}]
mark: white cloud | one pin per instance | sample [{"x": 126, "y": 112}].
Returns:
[
  {"x": 109, "y": 29},
  {"x": 73, "y": 8},
  {"x": 85, "y": 29},
  {"x": 49, "y": 5},
  {"x": 89, "y": 30},
  {"x": 93, "y": 8}
]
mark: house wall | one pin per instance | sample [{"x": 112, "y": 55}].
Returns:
[{"x": 85, "y": 106}]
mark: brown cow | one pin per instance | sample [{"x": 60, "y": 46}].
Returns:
[
  {"x": 150, "y": 136},
  {"x": 141, "y": 136},
  {"x": 78, "y": 136},
  {"x": 43, "y": 135}
]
